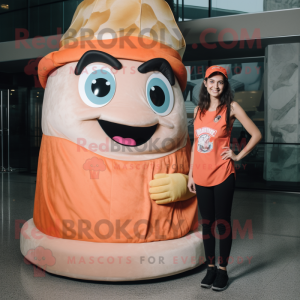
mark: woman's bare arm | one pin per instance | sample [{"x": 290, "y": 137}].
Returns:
[{"x": 251, "y": 128}]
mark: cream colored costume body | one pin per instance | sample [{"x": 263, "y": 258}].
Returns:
[{"x": 139, "y": 192}]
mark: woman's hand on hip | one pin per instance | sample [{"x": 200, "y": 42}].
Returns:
[
  {"x": 228, "y": 153},
  {"x": 191, "y": 185}
]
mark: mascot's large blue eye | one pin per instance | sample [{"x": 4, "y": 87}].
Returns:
[
  {"x": 160, "y": 94},
  {"x": 97, "y": 85}
]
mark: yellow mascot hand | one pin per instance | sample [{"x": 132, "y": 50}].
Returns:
[{"x": 169, "y": 188}]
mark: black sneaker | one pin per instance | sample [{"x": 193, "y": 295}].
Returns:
[
  {"x": 209, "y": 278},
  {"x": 221, "y": 281}
]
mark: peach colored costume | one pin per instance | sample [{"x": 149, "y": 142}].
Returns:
[
  {"x": 97, "y": 206},
  {"x": 66, "y": 193}
]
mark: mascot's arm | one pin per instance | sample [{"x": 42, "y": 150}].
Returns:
[{"x": 168, "y": 188}]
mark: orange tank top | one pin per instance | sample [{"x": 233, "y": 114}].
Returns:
[{"x": 210, "y": 137}]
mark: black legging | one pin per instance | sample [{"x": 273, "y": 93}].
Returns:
[{"x": 215, "y": 204}]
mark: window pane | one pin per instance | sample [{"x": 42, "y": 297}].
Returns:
[
  {"x": 185, "y": 10},
  {"x": 233, "y": 7},
  {"x": 69, "y": 10},
  {"x": 195, "y": 73},
  {"x": 46, "y": 19},
  {"x": 276, "y": 5},
  {"x": 11, "y": 21},
  {"x": 11, "y": 5},
  {"x": 40, "y": 2}
]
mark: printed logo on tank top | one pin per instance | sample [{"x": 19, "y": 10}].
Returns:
[{"x": 204, "y": 134}]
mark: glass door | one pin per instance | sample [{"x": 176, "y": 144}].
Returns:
[
  {"x": 13, "y": 129},
  {"x": 4, "y": 130},
  {"x": 35, "y": 104}
]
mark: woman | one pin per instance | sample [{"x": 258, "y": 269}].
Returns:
[{"x": 212, "y": 173}]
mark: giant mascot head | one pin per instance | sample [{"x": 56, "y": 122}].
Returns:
[{"x": 115, "y": 85}]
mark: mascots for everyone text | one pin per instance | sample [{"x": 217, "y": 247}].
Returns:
[{"x": 115, "y": 151}]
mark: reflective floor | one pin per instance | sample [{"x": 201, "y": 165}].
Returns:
[{"x": 265, "y": 258}]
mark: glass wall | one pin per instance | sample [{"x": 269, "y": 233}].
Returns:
[
  {"x": 9, "y": 21},
  {"x": 35, "y": 104},
  {"x": 233, "y": 7},
  {"x": 185, "y": 10},
  {"x": 13, "y": 107},
  {"x": 20, "y": 116},
  {"x": 35, "y": 18},
  {"x": 12, "y": 5},
  {"x": 51, "y": 17}
]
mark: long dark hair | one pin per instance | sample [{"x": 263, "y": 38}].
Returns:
[{"x": 225, "y": 100}]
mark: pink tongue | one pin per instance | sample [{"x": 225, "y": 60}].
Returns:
[{"x": 124, "y": 141}]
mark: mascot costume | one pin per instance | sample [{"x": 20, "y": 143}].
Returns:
[{"x": 111, "y": 199}]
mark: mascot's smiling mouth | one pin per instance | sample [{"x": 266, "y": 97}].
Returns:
[{"x": 127, "y": 135}]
